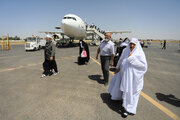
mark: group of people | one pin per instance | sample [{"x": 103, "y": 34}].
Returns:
[{"x": 127, "y": 82}]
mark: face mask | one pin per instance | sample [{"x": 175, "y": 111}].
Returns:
[{"x": 106, "y": 40}]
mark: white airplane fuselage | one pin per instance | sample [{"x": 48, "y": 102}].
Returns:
[{"x": 73, "y": 26}]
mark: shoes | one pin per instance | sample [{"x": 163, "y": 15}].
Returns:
[
  {"x": 51, "y": 73},
  {"x": 105, "y": 83},
  {"x": 55, "y": 73},
  {"x": 125, "y": 113},
  {"x": 43, "y": 75}
]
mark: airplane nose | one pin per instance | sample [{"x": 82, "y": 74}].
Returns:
[
  {"x": 68, "y": 25},
  {"x": 65, "y": 24}
]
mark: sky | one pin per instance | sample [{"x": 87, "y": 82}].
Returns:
[{"x": 147, "y": 19}]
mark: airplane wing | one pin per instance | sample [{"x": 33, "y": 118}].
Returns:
[{"x": 115, "y": 32}]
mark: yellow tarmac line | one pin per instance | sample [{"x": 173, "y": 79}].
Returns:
[
  {"x": 148, "y": 98},
  {"x": 161, "y": 107},
  {"x": 99, "y": 64}
]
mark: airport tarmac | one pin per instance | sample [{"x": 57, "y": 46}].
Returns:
[{"x": 76, "y": 92}]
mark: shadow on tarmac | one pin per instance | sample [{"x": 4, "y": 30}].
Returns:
[
  {"x": 115, "y": 105},
  {"x": 81, "y": 63},
  {"x": 178, "y": 51},
  {"x": 96, "y": 78},
  {"x": 171, "y": 99}
]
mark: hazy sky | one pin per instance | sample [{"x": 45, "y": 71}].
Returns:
[{"x": 156, "y": 19}]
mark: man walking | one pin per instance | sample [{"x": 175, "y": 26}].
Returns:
[
  {"x": 106, "y": 50},
  {"x": 49, "y": 56}
]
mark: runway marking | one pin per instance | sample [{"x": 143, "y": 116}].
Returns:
[
  {"x": 148, "y": 98},
  {"x": 161, "y": 107},
  {"x": 99, "y": 64}
]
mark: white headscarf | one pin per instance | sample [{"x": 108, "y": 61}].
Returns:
[
  {"x": 125, "y": 43},
  {"x": 49, "y": 36},
  {"x": 137, "y": 51}
]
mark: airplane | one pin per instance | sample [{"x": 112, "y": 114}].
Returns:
[{"x": 75, "y": 28}]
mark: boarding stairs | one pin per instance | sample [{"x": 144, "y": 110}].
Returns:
[{"x": 95, "y": 31}]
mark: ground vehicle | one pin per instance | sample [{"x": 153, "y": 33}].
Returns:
[{"x": 34, "y": 43}]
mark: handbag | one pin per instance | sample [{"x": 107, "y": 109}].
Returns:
[{"x": 84, "y": 54}]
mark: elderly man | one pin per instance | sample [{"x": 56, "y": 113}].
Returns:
[
  {"x": 128, "y": 81},
  {"x": 106, "y": 50},
  {"x": 49, "y": 56}
]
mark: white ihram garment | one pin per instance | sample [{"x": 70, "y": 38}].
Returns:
[{"x": 128, "y": 82}]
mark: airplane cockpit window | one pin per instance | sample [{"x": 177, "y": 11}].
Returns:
[
  {"x": 70, "y": 18},
  {"x": 74, "y": 18}
]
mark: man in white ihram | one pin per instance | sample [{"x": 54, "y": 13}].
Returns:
[{"x": 127, "y": 82}]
